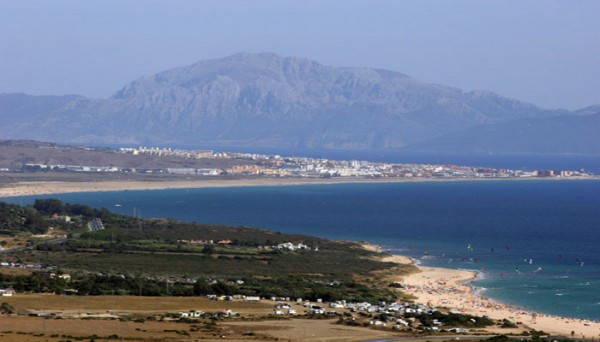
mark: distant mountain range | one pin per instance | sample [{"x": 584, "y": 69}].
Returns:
[
  {"x": 266, "y": 100},
  {"x": 558, "y": 134}
]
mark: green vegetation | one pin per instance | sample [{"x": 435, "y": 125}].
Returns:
[
  {"x": 452, "y": 319},
  {"x": 535, "y": 337},
  {"x": 156, "y": 257},
  {"x": 6, "y": 308},
  {"x": 37, "y": 219},
  {"x": 508, "y": 324}
]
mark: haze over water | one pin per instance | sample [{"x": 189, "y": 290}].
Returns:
[{"x": 538, "y": 241}]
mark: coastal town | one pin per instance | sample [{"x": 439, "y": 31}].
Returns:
[{"x": 277, "y": 166}]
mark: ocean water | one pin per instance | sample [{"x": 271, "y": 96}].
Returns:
[{"x": 537, "y": 242}]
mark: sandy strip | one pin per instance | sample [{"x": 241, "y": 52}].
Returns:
[
  {"x": 398, "y": 259},
  {"x": 444, "y": 287},
  {"x": 44, "y": 187},
  {"x": 56, "y": 187}
]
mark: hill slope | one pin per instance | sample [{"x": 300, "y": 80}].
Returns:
[{"x": 560, "y": 134}]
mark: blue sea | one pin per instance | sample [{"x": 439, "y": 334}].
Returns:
[{"x": 538, "y": 241}]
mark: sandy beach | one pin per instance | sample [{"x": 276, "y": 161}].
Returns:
[
  {"x": 55, "y": 187},
  {"x": 46, "y": 187},
  {"x": 443, "y": 287}
]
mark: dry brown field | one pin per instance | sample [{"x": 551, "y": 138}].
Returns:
[
  {"x": 34, "y": 329},
  {"x": 254, "y": 324},
  {"x": 131, "y": 304},
  {"x": 308, "y": 330},
  {"x": 14, "y": 271}
]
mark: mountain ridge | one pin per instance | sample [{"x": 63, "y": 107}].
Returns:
[
  {"x": 265, "y": 100},
  {"x": 561, "y": 134}
]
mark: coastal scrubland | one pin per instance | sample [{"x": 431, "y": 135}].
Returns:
[{"x": 157, "y": 257}]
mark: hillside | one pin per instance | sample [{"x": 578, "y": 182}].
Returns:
[
  {"x": 560, "y": 134},
  {"x": 15, "y": 153},
  {"x": 262, "y": 100},
  {"x": 121, "y": 252}
]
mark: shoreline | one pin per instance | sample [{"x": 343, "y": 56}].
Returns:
[
  {"x": 450, "y": 288},
  {"x": 59, "y": 187}
]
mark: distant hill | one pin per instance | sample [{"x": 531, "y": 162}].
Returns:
[
  {"x": 588, "y": 110},
  {"x": 15, "y": 153},
  {"x": 263, "y": 100},
  {"x": 560, "y": 134}
]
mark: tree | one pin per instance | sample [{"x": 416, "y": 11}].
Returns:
[
  {"x": 202, "y": 287},
  {"x": 208, "y": 250},
  {"x": 104, "y": 214},
  {"x": 49, "y": 206},
  {"x": 220, "y": 288},
  {"x": 6, "y": 308},
  {"x": 80, "y": 209},
  {"x": 34, "y": 222}
]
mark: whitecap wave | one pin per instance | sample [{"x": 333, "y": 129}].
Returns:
[{"x": 478, "y": 291}]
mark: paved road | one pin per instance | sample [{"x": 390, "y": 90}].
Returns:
[{"x": 18, "y": 249}]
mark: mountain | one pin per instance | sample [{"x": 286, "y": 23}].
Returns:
[
  {"x": 559, "y": 134},
  {"x": 263, "y": 100},
  {"x": 588, "y": 110}
]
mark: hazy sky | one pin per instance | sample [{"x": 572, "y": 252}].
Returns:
[{"x": 545, "y": 52}]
